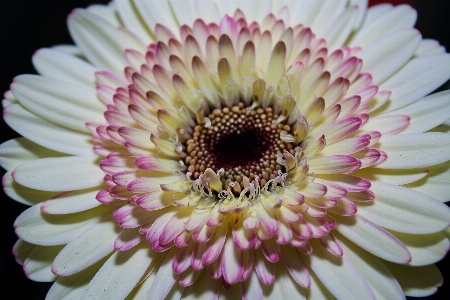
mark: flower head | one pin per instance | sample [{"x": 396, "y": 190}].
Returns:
[{"x": 196, "y": 149}]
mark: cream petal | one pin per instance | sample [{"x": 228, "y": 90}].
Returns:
[
  {"x": 372, "y": 238},
  {"x": 72, "y": 287},
  {"x": 430, "y": 72},
  {"x": 435, "y": 184},
  {"x": 57, "y": 101},
  {"x": 428, "y": 46},
  {"x": 329, "y": 10},
  {"x": 317, "y": 290},
  {"x": 407, "y": 151},
  {"x": 251, "y": 288},
  {"x": 59, "y": 174},
  {"x": 205, "y": 288},
  {"x": 98, "y": 40},
  {"x": 154, "y": 12},
  {"x": 71, "y": 202},
  {"x": 37, "y": 266},
  {"x": 106, "y": 12},
  {"x": 253, "y": 11},
  {"x": 341, "y": 26},
  {"x": 38, "y": 228},
  {"x": 362, "y": 9},
  {"x": 405, "y": 210},
  {"x": 393, "y": 50},
  {"x": 336, "y": 272},
  {"x": 387, "y": 125},
  {"x": 165, "y": 278},
  {"x": 109, "y": 281},
  {"x": 65, "y": 67},
  {"x": 284, "y": 289},
  {"x": 397, "y": 177},
  {"x": 17, "y": 151},
  {"x": 396, "y": 18},
  {"x": 130, "y": 16},
  {"x": 23, "y": 194},
  {"x": 417, "y": 281},
  {"x": 86, "y": 249},
  {"x": 383, "y": 283},
  {"x": 425, "y": 249},
  {"x": 427, "y": 113},
  {"x": 21, "y": 250},
  {"x": 46, "y": 133}
]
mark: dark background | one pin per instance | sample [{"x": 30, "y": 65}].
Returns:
[{"x": 27, "y": 25}]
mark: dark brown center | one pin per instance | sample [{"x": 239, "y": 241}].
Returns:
[{"x": 244, "y": 143}]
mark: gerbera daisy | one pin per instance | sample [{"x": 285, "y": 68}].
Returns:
[{"x": 262, "y": 150}]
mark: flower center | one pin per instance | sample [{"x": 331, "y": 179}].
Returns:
[{"x": 243, "y": 142}]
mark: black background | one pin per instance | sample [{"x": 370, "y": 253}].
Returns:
[{"x": 27, "y": 25}]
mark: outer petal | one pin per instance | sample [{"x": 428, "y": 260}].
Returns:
[
  {"x": 46, "y": 133},
  {"x": 405, "y": 210},
  {"x": 381, "y": 280},
  {"x": 57, "y": 101},
  {"x": 372, "y": 238},
  {"x": 407, "y": 151},
  {"x": 88, "y": 248},
  {"x": 336, "y": 272},
  {"x": 109, "y": 281},
  {"x": 417, "y": 281},
  {"x": 59, "y": 174}
]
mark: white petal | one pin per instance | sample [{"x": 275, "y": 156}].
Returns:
[
  {"x": 17, "y": 151},
  {"x": 400, "y": 17},
  {"x": 165, "y": 278},
  {"x": 59, "y": 102},
  {"x": 131, "y": 18},
  {"x": 60, "y": 174},
  {"x": 72, "y": 287},
  {"x": 336, "y": 273},
  {"x": 425, "y": 249},
  {"x": 37, "y": 266},
  {"x": 106, "y": 12},
  {"x": 397, "y": 177},
  {"x": 58, "y": 65},
  {"x": 426, "y": 113},
  {"x": 329, "y": 9},
  {"x": 204, "y": 288},
  {"x": 154, "y": 12},
  {"x": 382, "y": 282},
  {"x": 428, "y": 46},
  {"x": 87, "y": 248},
  {"x": 386, "y": 56},
  {"x": 140, "y": 292},
  {"x": 46, "y": 133},
  {"x": 419, "y": 77},
  {"x": 362, "y": 9},
  {"x": 317, "y": 291},
  {"x": 436, "y": 183},
  {"x": 405, "y": 210},
  {"x": 408, "y": 151},
  {"x": 417, "y": 281},
  {"x": 98, "y": 40},
  {"x": 372, "y": 238},
  {"x": 340, "y": 28},
  {"x": 23, "y": 194},
  {"x": 253, "y": 10},
  {"x": 21, "y": 250},
  {"x": 284, "y": 286},
  {"x": 110, "y": 282},
  {"x": 71, "y": 202},
  {"x": 50, "y": 230}
]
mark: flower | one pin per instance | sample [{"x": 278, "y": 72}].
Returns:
[{"x": 244, "y": 153}]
